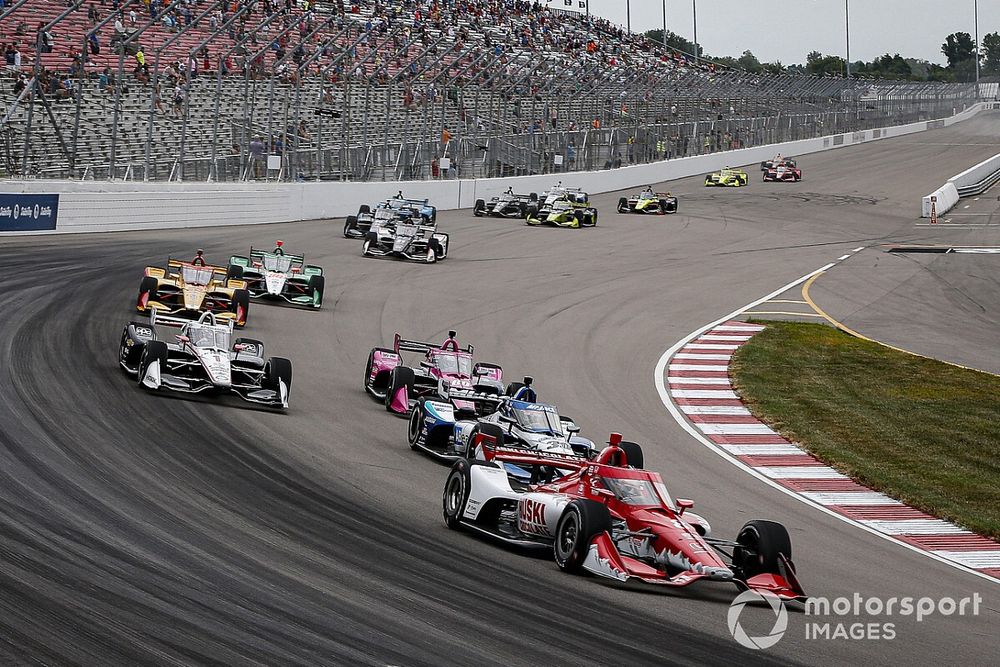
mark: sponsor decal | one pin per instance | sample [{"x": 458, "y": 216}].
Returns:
[
  {"x": 28, "y": 213},
  {"x": 531, "y": 517}
]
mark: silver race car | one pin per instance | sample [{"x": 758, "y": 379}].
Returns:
[
  {"x": 200, "y": 359},
  {"x": 407, "y": 237}
]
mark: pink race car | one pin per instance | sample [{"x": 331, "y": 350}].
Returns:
[{"x": 446, "y": 371}]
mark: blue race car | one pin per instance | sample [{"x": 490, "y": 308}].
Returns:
[{"x": 517, "y": 419}]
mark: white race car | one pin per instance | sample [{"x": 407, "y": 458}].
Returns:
[
  {"x": 448, "y": 432},
  {"x": 200, "y": 359}
]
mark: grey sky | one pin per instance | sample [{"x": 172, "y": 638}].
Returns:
[{"x": 787, "y": 31}]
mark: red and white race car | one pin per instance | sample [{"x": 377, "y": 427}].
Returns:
[
  {"x": 783, "y": 170},
  {"x": 611, "y": 518}
]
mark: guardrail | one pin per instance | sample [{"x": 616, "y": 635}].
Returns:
[{"x": 973, "y": 181}]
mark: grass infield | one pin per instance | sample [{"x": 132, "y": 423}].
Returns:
[{"x": 919, "y": 430}]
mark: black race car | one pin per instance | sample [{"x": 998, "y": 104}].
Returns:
[{"x": 507, "y": 205}]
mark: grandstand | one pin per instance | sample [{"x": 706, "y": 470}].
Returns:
[{"x": 205, "y": 89}]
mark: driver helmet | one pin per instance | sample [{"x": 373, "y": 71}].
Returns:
[
  {"x": 199, "y": 258},
  {"x": 278, "y": 250}
]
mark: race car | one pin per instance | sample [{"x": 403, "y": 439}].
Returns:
[
  {"x": 358, "y": 226},
  {"x": 568, "y": 208},
  {"x": 507, "y": 205},
  {"x": 767, "y": 164},
  {"x": 609, "y": 517},
  {"x": 443, "y": 369},
  {"x": 188, "y": 289},
  {"x": 647, "y": 201},
  {"x": 279, "y": 275},
  {"x": 732, "y": 178},
  {"x": 200, "y": 359},
  {"x": 437, "y": 428},
  {"x": 786, "y": 170},
  {"x": 407, "y": 237}
]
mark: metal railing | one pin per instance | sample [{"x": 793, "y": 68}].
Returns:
[{"x": 375, "y": 105}]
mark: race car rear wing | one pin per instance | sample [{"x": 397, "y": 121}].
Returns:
[
  {"x": 259, "y": 254},
  {"x": 527, "y": 457},
  {"x": 171, "y": 321},
  {"x": 405, "y": 345},
  {"x": 473, "y": 396},
  {"x": 178, "y": 263}
]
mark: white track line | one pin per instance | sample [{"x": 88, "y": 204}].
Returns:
[{"x": 659, "y": 373}]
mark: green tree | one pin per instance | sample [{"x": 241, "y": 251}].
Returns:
[
  {"x": 674, "y": 41},
  {"x": 749, "y": 62},
  {"x": 817, "y": 63},
  {"x": 958, "y": 47},
  {"x": 991, "y": 53}
]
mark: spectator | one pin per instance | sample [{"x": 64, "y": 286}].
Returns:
[{"x": 256, "y": 155}]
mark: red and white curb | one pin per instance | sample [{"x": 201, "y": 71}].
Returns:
[
  {"x": 698, "y": 381},
  {"x": 692, "y": 379}
]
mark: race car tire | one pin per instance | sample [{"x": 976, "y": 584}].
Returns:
[
  {"x": 153, "y": 350},
  {"x": 241, "y": 299},
  {"x": 456, "y": 493},
  {"x": 663, "y": 207},
  {"x": 760, "y": 543},
  {"x": 522, "y": 210},
  {"x": 533, "y": 196},
  {"x": 633, "y": 454},
  {"x": 371, "y": 363},
  {"x": 316, "y": 286},
  {"x": 489, "y": 430},
  {"x": 479, "y": 210},
  {"x": 399, "y": 377},
  {"x": 623, "y": 205},
  {"x": 350, "y": 224},
  {"x": 129, "y": 355},
  {"x": 370, "y": 239},
  {"x": 432, "y": 253},
  {"x": 415, "y": 426},
  {"x": 593, "y": 218},
  {"x": 234, "y": 272},
  {"x": 277, "y": 369},
  {"x": 363, "y": 209},
  {"x": 581, "y": 521},
  {"x": 513, "y": 388},
  {"x": 148, "y": 285}
]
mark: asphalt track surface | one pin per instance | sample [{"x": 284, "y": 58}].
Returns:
[{"x": 144, "y": 529}]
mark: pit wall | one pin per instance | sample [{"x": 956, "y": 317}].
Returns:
[
  {"x": 91, "y": 206},
  {"x": 948, "y": 194}
]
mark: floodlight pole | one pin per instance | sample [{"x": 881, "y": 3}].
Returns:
[
  {"x": 847, "y": 33},
  {"x": 694, "y": 16},
  {"x": 664, "y": 24},
  {"x": 975, "y": 5}
]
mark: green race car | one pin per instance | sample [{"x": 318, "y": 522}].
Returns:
[
  {"x": 729, "y": 178},
  {"x": 567, "y": 209}
]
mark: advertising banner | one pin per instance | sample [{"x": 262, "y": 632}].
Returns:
[{"x": 28, "y": 213}]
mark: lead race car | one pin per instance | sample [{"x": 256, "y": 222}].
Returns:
[
  {"x": 447, "y": 432},
  {"x": 358, "y": 226},
  {"x": 199, "y": 359},
  {"x": 506, "y": 205},
  {"x": 647, "y": 201},
  {"x": 783, "y": 170},
  {"x": 444, "y": 369},
  {"x": 188, "y": 289},
  {"x": 406, "y": 237},
  {"x": 279, "y": 275},
  {"x": 728, "y": 177},
  {"x": 611, "y": 518}
]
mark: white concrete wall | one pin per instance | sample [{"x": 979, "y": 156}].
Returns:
[
  {"x": 104, "y": 206},
  {"x": 947, "y": 195}
]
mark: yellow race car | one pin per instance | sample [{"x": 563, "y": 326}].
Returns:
[
  {"x": 729, "y": 178},
  {"x": 188, "y": 289}
]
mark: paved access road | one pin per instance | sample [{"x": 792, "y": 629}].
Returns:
[{"x": 139, "y": 528}]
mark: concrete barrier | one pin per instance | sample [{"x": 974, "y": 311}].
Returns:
[{"x": 117, "y": 206}]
